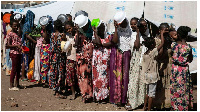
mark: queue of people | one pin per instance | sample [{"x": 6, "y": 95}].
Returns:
[{"x": 121, "y": 68}]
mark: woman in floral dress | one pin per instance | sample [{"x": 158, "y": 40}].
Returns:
[
  {"x": 84, "y": 51},
  {"x": 100, "y": 67},
  {"x": 180, "y": 79}
]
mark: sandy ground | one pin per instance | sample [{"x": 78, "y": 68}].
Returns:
[{"x": 37, "y": 98}]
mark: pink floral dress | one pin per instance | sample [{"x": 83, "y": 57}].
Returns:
[
  {"x": 100, "y": 71},
  {"x": 180, "y": 79}
]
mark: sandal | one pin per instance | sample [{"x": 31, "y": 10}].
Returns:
[
  {"x": 24, "y": 79},
  {"x": 14, "y": 89},
  {"x": 128, "y": 107}
]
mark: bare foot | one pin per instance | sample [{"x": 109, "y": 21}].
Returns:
[{"x": 144, "y": 108}]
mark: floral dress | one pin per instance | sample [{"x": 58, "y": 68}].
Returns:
[
  {"x": 84, "y": 67},
  {"x": 100, "y": 71},
  {"x": 44, "y": 62},
  {"x": 136, "y": 87},
  {"x": 57, "y": 64},
  {"x": 180, "y": 79}
]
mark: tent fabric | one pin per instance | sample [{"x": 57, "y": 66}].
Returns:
[
  {"x": 180, "y": 13},
  {"x": 53, "y": 9},
  {"x": 105, "y": 10},
  {"x": 193, "y": 64}
]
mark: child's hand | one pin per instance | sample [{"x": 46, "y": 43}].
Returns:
[{"x": 115, "y": 24}]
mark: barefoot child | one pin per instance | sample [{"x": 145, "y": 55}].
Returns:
[
  {"x": 14, "y": 43},
  {"x": 71, "y": 58},
  {"x": 150, "y": 68}
]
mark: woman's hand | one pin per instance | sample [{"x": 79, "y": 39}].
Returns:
[
  {"x": 137, "y": 29},
  {"x": 19, "y": 46},
  {"x": 76, "y": 28},
  {"x": 115, "y": 24},
  {"x": 94, "y": 29},
  {"x": 163, "y": 31}
]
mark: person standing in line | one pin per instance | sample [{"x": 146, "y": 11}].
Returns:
[
  {"x": 136, "y": 87},
  {"x": 120, "y": 67},
  {"x": 83, "y": 42},
  {"x": 150, "y": 68},
  {"x": 13, "y": 41},
  {"x": 100, "y": 61},
  {"x": 180, "y": 78}
]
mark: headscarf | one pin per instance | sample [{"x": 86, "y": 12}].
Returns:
[
  {"x": 29, "y": 23},
  {"x": 125, "y": 32},
  {"x": 89, "y": 32}
]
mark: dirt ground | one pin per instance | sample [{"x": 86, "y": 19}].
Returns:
[{"x": 37, "y": 98}]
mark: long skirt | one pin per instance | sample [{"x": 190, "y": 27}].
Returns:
[
  {"x": 100, "y": 72},
  {"x": 181, "y": 88},
  {"x": 44, "y": 62},
  {"x": 37, "y": 63},
  {"x": 136, "y": 87},
  {"x": 84, "y": 70},
  {"x": 119, "y": 75}
]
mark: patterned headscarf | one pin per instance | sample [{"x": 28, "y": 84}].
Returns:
[{"x": 29, "y": 23}]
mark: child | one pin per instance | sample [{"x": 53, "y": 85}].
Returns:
[
  {"x": 14, "y": 43},
  {"x": 71, "y": 58},
  {"x": 150, "y": 69},
  {"x": 180, "y": 78},
  {"x": 173, "y": 35},
  {"x": 136, "y": 85},
  {"x": 57, "y": 60},
  {"x": 45, "y": 54}
]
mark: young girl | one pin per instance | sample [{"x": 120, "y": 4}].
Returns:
[
  {"x": 57, "y": 60},
  {"x": 150, "y": 69},
  {"x": 71, "y": 58},
  {"x": 100, "y": 61},
  {"x": 180, "y": 79},
  {"x": 14, "y": 43},
  {"x": 136, "y": 86},
  {"x": 45, "y": 54}
]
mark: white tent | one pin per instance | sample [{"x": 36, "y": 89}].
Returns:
[
  {"x": 179, "y": 13},
  {"x": 105, "y": 10},
  {"x": 50, "y": 8}
]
